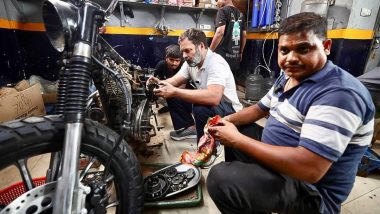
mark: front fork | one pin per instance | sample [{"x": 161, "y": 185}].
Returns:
[
  {"x": 70, "y": 195},
  {"x": 67, "y": 184}
]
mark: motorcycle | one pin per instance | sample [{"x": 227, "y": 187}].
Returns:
[{"x": 85, "y": 123}]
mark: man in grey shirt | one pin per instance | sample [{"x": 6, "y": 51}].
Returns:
[
  {"x": 371, "y": 80},
  {"x": 215, "y": 92}
]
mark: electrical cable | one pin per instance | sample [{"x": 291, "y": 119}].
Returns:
[
  {"x": 267, "y": 65},
  {"x": 271, "y": 54},
  {"x": 261, "y": 66},
  {"x": 261, "y": 19}
]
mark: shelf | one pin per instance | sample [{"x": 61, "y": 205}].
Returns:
[
  {"x": 196, "y": 15},
  {"x": 168, "y": 6}
]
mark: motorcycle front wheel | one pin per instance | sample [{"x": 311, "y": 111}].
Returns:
[{"x": 22, "y": 140}]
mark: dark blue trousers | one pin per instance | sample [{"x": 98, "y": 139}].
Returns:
[
  {"x": 242, "y": 185},
  {"x": 185, "y": 114}
]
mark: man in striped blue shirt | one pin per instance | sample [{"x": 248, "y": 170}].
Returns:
[{"x": 320, "y": 123}]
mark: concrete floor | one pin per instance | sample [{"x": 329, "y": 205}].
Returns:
[{"x": 364, "y": 198}]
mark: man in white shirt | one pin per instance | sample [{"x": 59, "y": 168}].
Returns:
[{"x": 215, "y": 92}]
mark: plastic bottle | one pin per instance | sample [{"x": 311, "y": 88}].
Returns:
[
  {"x": 254, "y": 87},
  {"x": 267, "y": 84}
]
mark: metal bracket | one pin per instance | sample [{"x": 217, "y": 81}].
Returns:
[
  {"x": 197, "y": 16},
  {"x": 161, "y": 25},
  {"x": 17, "y": 6},
  {"x": 162, "y": 19},
  {"x": 123, "y": 19}
]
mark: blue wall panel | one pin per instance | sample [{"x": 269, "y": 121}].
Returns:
[
  {"x": 23, "y": 53},
  {"x": 11, "y": 60},
  {"x": 145, "y": 51},
  {"x": 39, "y": 56},
  {"x": 351, "y": 54}
]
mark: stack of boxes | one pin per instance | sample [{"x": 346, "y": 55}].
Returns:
[
  {"x": 187, "y": 3},
  {"x": 173, "y": 2},
  {"x": 21, "y": 101},
  {"x": 205, "y": 4}
]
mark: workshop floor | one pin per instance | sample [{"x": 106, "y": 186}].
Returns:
[{"x": 364, "y": 198}]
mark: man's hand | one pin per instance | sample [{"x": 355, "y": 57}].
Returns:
[
  {"x": 166, "y": 90},
  {"x": 102, "y": 29},
  {"x": 226, "y": 133}
]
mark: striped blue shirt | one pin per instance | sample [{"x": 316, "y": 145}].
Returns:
[{"x": 331, "y": 114}]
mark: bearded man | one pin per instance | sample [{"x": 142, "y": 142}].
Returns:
[{"x": 215, "y": 92}]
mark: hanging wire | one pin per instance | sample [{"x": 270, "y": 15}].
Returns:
[{"x": 267, "y": 64}]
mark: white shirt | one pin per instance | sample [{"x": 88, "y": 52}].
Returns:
[{"x": 214, "y": 71}]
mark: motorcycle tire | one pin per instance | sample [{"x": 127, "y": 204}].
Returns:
[{"x": 25, "y": 138}]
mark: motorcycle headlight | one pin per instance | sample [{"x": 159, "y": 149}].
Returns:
[{"x": 60, "y": 19}]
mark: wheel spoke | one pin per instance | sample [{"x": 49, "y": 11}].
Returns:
[
  {"x": 54, "y": 167},
  {"x": 109, "y": 178},
  {"x": 88, "y": 166},
  {"x": 113, "y": 204},
  {"x": 105, "y": 198},
  {"x": 25, "y": 174}
]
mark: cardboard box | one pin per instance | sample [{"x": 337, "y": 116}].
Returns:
[
  {"x": 7, "y": 91},
  {"x": 49, "y": 97},
  {"x": 22, "y": 85},
  {"x": 210, "y": 6},
  {"x": 22, "y": 104}
]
